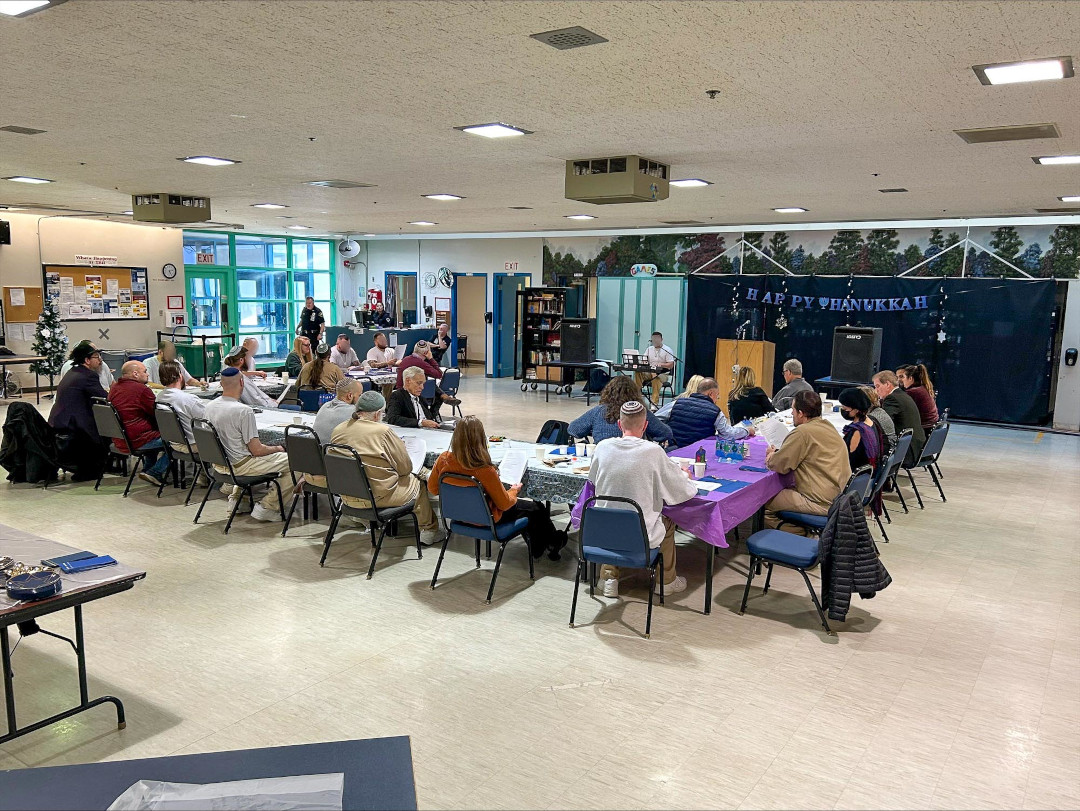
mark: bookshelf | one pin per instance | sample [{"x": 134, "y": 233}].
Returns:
[{"x": 540, "y": 311}]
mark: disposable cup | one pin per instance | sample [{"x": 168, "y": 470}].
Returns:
[{"x": 699, "y": 469}]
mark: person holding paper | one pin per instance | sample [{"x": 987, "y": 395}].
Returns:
[
  {"x": 699, "y": 417},
  {"x": 386, "y": 462},
  {"x": 343, "y": 355},
  {"x": 468, "y": 455},
  {"x": 815, "y": 452}
]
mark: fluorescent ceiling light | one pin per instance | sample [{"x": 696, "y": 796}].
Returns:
[
  {"x": 23, "y": 179},
  {"x": 299, "y": 227},
  {"x": 1070, "y": 198},
  {"x": 15, "y": 8},
  {"x": 1057, "y": 160},
  {"x": 128, "y": 213},
  {"x": 206, "y": 160},
  {"x": 1035, "y": 70},
  {"x": 790, "y": 210},
  {"x": 423, "y": 222},
  {"x": 690, "y": 183},
  {"x": 496, "y": 130},
  {"x": 580, "y": 217},
  {"x": 369, "y": 235},
  {"x": 267, "y": 205},
  {"x": 442, "y": 196}
]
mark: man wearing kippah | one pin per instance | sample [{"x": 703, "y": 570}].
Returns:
[
  {"x": 386, "y": 462},
  {"x": 334, "y": 412},
  {"x": 632, "y": 467}
]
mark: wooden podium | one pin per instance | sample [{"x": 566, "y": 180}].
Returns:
[{"x": 758, "y": 355}]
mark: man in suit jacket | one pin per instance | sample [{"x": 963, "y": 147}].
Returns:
[
  {"x": 405, "y": 407},
  {"x": 81, "y": 449},
  {"x": 905, "y": 414}
]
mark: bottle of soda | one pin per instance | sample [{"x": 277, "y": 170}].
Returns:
[{"x": 719, "y": 449}]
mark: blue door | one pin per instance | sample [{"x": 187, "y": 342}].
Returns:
[{"x": 506, "y": 288}]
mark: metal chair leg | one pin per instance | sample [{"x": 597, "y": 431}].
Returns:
[
  {"x": 131, "y": 478},
  {"x": 375, "y": 554},
  {"x": 768, "y": 580},
  {"x": 246, "y": 491},
  {"x": 280, "y": 500},
  {"x": 495, "y": 574},
  {"x": 442, "y": 552},
  {"x": 652, "y": 588},
  {"x": 915, "y": 487},
  {"x": 416, "y": 533},
  {"x": 478, "y": 553},
  {"x": 937, "y": 482},
  {"x": 749, "y": 579},
  {"x": 206, "y": 495},
  {"x": 885, "y": 511},
  {"x": 528, "y": 554},
  {"x": 882, "y": 528},
  {"x": 194, "y": 481},
  {"x": 900, "y": 495},
  {"x": 577, "y": 586},
  {"x": 817, "y": 603},
  {"x": 329, "y": 537},
  {"x": 165, "y": 480},
  {"x": 938, "y": 468},
  {"x": 660, "y": 574},
  {"x": 292, "y": 509}
]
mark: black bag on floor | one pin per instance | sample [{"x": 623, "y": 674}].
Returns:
[
  {"x": 28, "y": 451},
  {"x": 598, "y": 378}
]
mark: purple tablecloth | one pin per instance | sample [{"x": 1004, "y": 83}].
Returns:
[{"x": 712, "y": 516}]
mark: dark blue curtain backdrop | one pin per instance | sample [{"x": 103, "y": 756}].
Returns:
[{"x": 995, "y": 363}]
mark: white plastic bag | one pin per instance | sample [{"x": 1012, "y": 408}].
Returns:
[{"x": 307, "y": 792}]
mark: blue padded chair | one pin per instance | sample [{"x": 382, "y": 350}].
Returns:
[
  {"x": 465, "y": 510},
  {"x": 617, "y": 536},
  {"x": 428, "y": 392},
  {"x": 312, "y": 399},
  {"x": 774, "y": 547},
  {"x": 859, "y": 483},
  {"x": 931, "y": 452},
  {"x": 450, "y": 384}
]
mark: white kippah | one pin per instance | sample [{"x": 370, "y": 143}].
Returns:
[{"x": 631, "y": 407}]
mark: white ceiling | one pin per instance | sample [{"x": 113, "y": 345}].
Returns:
[{"x": 816, "y": 98}]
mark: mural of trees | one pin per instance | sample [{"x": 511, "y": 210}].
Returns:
[{"x": 878, "y": 252}]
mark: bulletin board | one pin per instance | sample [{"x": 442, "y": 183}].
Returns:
[
  {"x": 28, "y": 310},
  {"x": 84, "y": 293}
]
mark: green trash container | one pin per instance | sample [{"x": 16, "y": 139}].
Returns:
[{"x": 198, "y": 364}]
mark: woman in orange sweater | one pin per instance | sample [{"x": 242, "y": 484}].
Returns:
[{"x": 469, "y": 456}]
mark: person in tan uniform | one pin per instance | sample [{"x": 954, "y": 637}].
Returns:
[
  {"x": 815, "y": 452},
  {"x": 386, "y": 462}
]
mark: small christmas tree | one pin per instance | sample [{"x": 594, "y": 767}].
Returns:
[{"x": 50, "y": 341}]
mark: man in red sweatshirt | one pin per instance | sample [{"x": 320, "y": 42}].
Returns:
[
  {"x": 134, "y": 402},
  {"x": 421, "y": 356}
]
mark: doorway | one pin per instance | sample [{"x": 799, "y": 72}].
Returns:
[
  {"x": 468, "y": 305},
  {"x": 208, "y": 299},
  {"x": 401, "y": 297},
  {"x": 505, "y": 343}
]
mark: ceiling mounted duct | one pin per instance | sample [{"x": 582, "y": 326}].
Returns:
[
  {"x": 1019, "y": 132},
  {"x": 340, "y": 184},
  {"x": 623, "y": 179}
]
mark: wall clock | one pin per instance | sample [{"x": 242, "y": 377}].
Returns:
[
  {"x": 168, "y": 270},
  {"x": 430, "y": 280}
]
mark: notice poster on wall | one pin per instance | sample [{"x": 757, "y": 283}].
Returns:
[{"x": 97, "y": 293}]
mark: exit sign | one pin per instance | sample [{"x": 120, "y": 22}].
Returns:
[
  {"x": 204, "y": 259},
  {"x": 510, "y": 265}
]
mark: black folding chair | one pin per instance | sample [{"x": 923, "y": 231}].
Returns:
[
  {"x": 465, "y": 510},
  {"x": 212, "y": 455},
  {"x": 305, "y": 456},
  {"x": 178, "y": 448},
  {"x": 886, "y": 470},
  {"x": 900, "y": 452},
  {"x": 931, "y": 452},
  {"x": 346, "y": 476},
  {"x": 110, "y": 426}
]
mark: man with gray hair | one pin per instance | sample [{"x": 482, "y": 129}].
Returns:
[
  {"x": 386, "y": 462},
  {"x": 423, "y": 358},
  {"x": 794, "y": 384},
  {"x": 405, "y": 407},
  {"x": 336, "y": 411},
  {"x": 632, "y": 467}
]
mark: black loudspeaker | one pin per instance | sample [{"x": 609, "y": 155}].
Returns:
[
  {"x": 856, "y": 354},
  {"x": 578, "y": 340},
  {"x": 5, "y": 232}
]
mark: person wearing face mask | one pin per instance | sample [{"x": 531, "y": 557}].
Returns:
[{"x": 861, "y": 435}]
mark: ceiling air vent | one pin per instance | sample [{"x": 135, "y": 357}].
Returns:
[
  {"x": 21, "y": 130},
  {"x": 892, "y": 191},
  {"x": 340, "y": 184},
  {"x": 521, "y": 208},
  {"x": 682, "y": 222},
  {"x": 1073, "y": 210},
  {"x": 566, "y": 38},
  {"x": 1020, "y": 132}
]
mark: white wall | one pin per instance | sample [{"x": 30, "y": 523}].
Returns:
[
  {"x": 487, "y": 256},
  {"x": 63, "y": 237},
  {"x": 1067, "y": 397}
]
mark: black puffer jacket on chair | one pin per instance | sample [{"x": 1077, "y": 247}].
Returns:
[{"x": 849, "y": 558}]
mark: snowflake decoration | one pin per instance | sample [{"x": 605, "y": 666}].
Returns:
[{"x": 781, "y": 322}]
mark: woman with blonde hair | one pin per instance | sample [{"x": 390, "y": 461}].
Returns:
[
  {"x": 746, "y": 401},
  {"x": 691, "y": 388},
  {"x": 881, "y": 419},
  {"x": 468, "y": 456},
  {"x": 301, "y": 354}
]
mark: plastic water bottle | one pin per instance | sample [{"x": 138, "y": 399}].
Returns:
[{"x": 719, "y": 449}]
